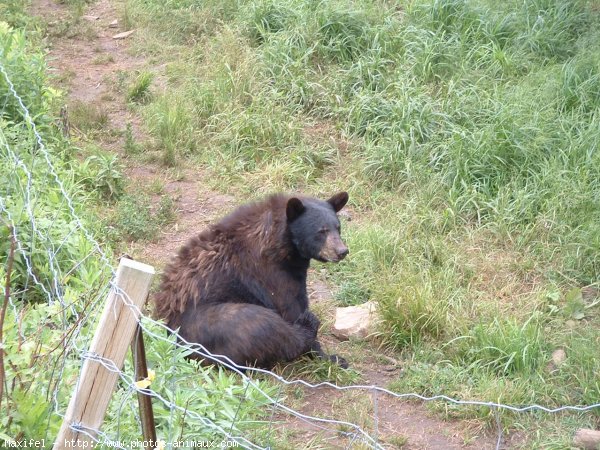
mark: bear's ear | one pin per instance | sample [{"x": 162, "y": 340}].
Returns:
[
  {"x": 338, "y": 201},
  {"x": 294, "y": 208}
]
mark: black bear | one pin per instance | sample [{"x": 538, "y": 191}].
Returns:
[{"x": 239, "y": 287}]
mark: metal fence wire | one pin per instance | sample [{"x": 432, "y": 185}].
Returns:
[{"x": 77, "y": 317}]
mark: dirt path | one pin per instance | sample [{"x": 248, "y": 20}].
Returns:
[{"x": 88, "y": 61}]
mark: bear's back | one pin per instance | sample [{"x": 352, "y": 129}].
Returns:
[{"x": 237, "y": 260}]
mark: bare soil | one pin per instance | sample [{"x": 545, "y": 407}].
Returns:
[{"x": 87, "y": 61}]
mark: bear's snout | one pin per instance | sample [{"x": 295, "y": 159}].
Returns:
[
  {"x": 342, "y": 252},
  {"x": 334, "y": 249}
]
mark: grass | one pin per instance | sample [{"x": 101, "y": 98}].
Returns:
[
  {"x": 130, "y": 145},
  {"x": 503, "y": 347},
  {"x": 318, "y": 370},
  {"x": 170, "y": 123},
  {"x": 73, "y": 25},
  {"x": 466, "y": 132},
  {"x": 139, "y": 90},
  {"x": 103, "y": 59},
  {"x": 88, "y": 117}
]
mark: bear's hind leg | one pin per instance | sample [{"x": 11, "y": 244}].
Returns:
[{"x": 249, "y": 334}]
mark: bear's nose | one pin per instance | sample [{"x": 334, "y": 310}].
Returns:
[{"x": 343, "y": 252}]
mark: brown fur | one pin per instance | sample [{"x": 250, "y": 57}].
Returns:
[{"x": 239, "y": 287}]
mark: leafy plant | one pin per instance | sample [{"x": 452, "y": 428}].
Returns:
[
  {"x": 56, "y": 270},
  {"x": 102, "y": 173},
  {"x": 137, "y": 219},
  {"x": 212, "y": 395}
]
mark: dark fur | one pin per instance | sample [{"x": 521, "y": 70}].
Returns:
[{"x": 239, "y": 287}]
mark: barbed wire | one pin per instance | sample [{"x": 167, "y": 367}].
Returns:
[
  {"x": 225, "y": 361},
  {"x": 73, "y": 346},
  {"x": 130, "y": 383},
  {"x": 53, "y": 294},
  {"x": 42, "y": 147},
  {"x": 57, "y": 295}
]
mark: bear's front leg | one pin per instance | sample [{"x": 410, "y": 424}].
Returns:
[
  {"x": 317, "y": 351},
  {"x": 310, "y": 321}
]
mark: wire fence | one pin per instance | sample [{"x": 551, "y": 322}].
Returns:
[{"x": 251, "y": 385}]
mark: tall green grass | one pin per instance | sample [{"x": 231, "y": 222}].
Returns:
[
  {"x": 504, "y": 346},
  {"x": 466, "y": 132}
]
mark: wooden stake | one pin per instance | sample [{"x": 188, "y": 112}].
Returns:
[
  {"x": 144, "y": 401},
  {"x": 114, "y": 332},
  {"x": 9, "y": 265}
]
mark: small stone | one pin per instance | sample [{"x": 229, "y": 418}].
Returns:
[
  {"x": 123, "y": 35},
  {"x": 590, "y": 293},
  {"x": 113, "y": 24},
  {"x": 587, "y": 439},
  {"x": 90, "y": 18},
  {"x": 559, "y": 356},
  {"x": 571, "y": 323},
  {"x": 354, "y": 321},
  {"x": 345, "y": 214}
]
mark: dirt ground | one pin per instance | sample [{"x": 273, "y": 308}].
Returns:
[{"x": 398, "y": 423}]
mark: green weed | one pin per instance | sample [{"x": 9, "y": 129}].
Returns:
[
  {"x": 268, "y": 18},
  {"x": 130, "y": 145},
  {"x": 580, "y": 85},
  {"x": 13, "y": 13},
  {"x": 137, "y": 219},
  {"x": 139, "y": 90},
  {"x": 54, "y": 236},
  {"x": 317, "y": 370},
  {"x": 102, "y": 173},
  {"x": 103, "y": 59},
  {"x": 343, "y": 34},
  {"x": 240, "y": 410}
]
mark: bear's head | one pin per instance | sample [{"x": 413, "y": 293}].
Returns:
[{"x": 315, "y": 227}]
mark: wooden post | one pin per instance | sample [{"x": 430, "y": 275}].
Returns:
[
  {"x": 144, "y": 401},
  {"x": 113, "y": 336}
]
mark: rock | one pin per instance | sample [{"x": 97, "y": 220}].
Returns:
[
  {"x": 354, "y": 321},
  {"x": 587, "y": 439},
  {"x": 90, "y": 18},
  {"x": 589, "y": 293},
  {"x": 123, "y": 35},
  {"x": 558, "y": 357},
  {"x": 345, "y": 214},
  {"x": 113, "y": 24}
]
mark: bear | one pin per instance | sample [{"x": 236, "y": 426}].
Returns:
[{"x": 239, "y": 287}]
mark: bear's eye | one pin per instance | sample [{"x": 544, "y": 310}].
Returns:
[{"x": 323, "y": 230}]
